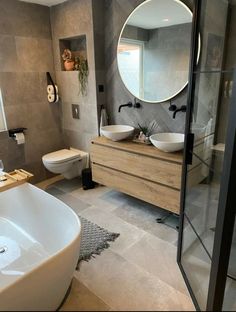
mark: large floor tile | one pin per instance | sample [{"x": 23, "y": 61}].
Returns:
[
  {"x": 75, "y": 203},
  {"x": 82, "y": 299},
  {"x": 117, "y": 198},
  {"x": 127, "y": 287},
  {"x": 68, "y": 185},
  {"x": 54, "y": 191},
  {"x": 97, "y": 192},
  {"x": 159, "y": 259},
  {"x": 144, "y": 215},
  {"x": 95, "y": 197}
]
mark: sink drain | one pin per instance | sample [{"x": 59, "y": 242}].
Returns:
[{"x": 3, "y": 250}]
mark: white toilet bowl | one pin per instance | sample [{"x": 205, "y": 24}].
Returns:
[{"x": 68, "y": 162}]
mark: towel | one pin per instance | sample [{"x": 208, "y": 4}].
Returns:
[{"x": 104, "y": 118}]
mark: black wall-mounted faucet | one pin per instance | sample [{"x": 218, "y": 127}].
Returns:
[
  {"x": 130, "y": 104},
  {"x": 182, "y": 109}
]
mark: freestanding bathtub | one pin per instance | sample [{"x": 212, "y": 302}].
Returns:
[{"x": 39, "y": 249}]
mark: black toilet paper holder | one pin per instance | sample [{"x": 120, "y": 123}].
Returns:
[
  {"x": 12, "y": 132},
  {"x": 50, "y": 81}
]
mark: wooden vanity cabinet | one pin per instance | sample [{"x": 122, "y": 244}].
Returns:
[{"x": 138, "y": 170}]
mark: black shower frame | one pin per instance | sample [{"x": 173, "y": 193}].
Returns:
[{"x": 227, "y": 201}]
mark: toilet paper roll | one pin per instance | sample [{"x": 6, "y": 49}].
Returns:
[
  {"x": 50, "y": 89},
  {"x": 20, "y": 138},
  {"x": 51, "y": 98}
]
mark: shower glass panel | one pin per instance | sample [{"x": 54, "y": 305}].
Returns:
[
  {"x": 212, "y": 94},
  {"x": 203, "y": 189}
]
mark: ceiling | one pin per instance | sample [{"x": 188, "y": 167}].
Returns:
[
  {"x": 45, "y": 2},
  {"x": 160, "y": 13}
]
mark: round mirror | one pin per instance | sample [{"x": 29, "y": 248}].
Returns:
[{"x": 154, "y": 50}]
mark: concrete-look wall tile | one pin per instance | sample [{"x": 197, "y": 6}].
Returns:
[
  {"x": 11, "y": 154},
  {"x": 67, "y": 120},
  {"x": 19, "y": 18},
  {"x": 63, "y": 17},
  {"x": 4, "y": 150},
  {"x": 17, "y": 116},
  {"x": 80, "y": 140},
  {"x": 16, "y": 153},
  {"x": 86, "y": 123},
  {"x": 43, "y": 116},
  {"x": 8, "y": 56},
  {"x": 89, "y": 117},
  {"x": 42, "y": 142},
  {"x": 68, "y": 84},
  {"x": 21, "y": 88},
  {"x": 3, "y": 135},
  {"x": 34, "y": 55},
  {"x": 57, "y": 54},
  {"x": 6, "y": 23}
]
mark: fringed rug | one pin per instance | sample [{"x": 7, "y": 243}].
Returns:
[{"x": 94, "y": 240}]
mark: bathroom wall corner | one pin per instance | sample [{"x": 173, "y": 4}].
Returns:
[{"x": 72, "y": 19}]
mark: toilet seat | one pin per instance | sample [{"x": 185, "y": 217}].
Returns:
[{"x": 62, "y": 156}]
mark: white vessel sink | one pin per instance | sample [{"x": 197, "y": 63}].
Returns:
[
  {"x": 117, "y": 132},
  {"x": 168, "y": 142}
]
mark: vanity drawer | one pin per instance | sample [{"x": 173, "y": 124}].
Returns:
[
  {"x": 148, "y": 191},
  {"x": 150, "y": 168}
]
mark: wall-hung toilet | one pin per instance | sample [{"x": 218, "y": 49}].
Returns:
[{"x": 68, "y": 162}]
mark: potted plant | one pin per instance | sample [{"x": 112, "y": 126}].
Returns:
[
  {"x": 146, "y": 131},
  {"x": 81, "y": 65},
  {"x": 69, "y": 63}
]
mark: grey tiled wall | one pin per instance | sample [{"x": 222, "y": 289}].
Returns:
[
  {"x": 71, "y": 19},
  {"x": 25, "y": 56}
]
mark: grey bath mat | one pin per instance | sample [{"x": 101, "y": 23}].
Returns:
[{"x": 94, "y": 240}]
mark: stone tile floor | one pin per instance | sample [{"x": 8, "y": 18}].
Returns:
[{"x": 139, "y": 271}]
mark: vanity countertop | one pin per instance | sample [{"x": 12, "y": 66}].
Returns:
[{"x": 141, "y": 149}]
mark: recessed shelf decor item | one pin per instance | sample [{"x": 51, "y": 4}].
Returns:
[{"x": 73, "y": 53}]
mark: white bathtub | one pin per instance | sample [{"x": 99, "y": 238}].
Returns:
[{"x": 41, "y": 236}]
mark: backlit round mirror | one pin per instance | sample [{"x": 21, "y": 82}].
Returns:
[{"x": 154, "y": 50}]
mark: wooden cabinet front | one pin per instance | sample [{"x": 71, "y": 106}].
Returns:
[{"x": 154, "y": 177}]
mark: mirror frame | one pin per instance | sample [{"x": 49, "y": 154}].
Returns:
[{"x": 120, "y": 36}]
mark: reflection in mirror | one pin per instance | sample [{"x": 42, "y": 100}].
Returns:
[{"x": 154, "y": 50}]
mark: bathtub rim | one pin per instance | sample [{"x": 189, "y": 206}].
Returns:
[{"x": 53, "y": 256}]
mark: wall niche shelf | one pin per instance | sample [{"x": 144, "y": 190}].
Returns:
[{"x": 77, "y": 45}]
